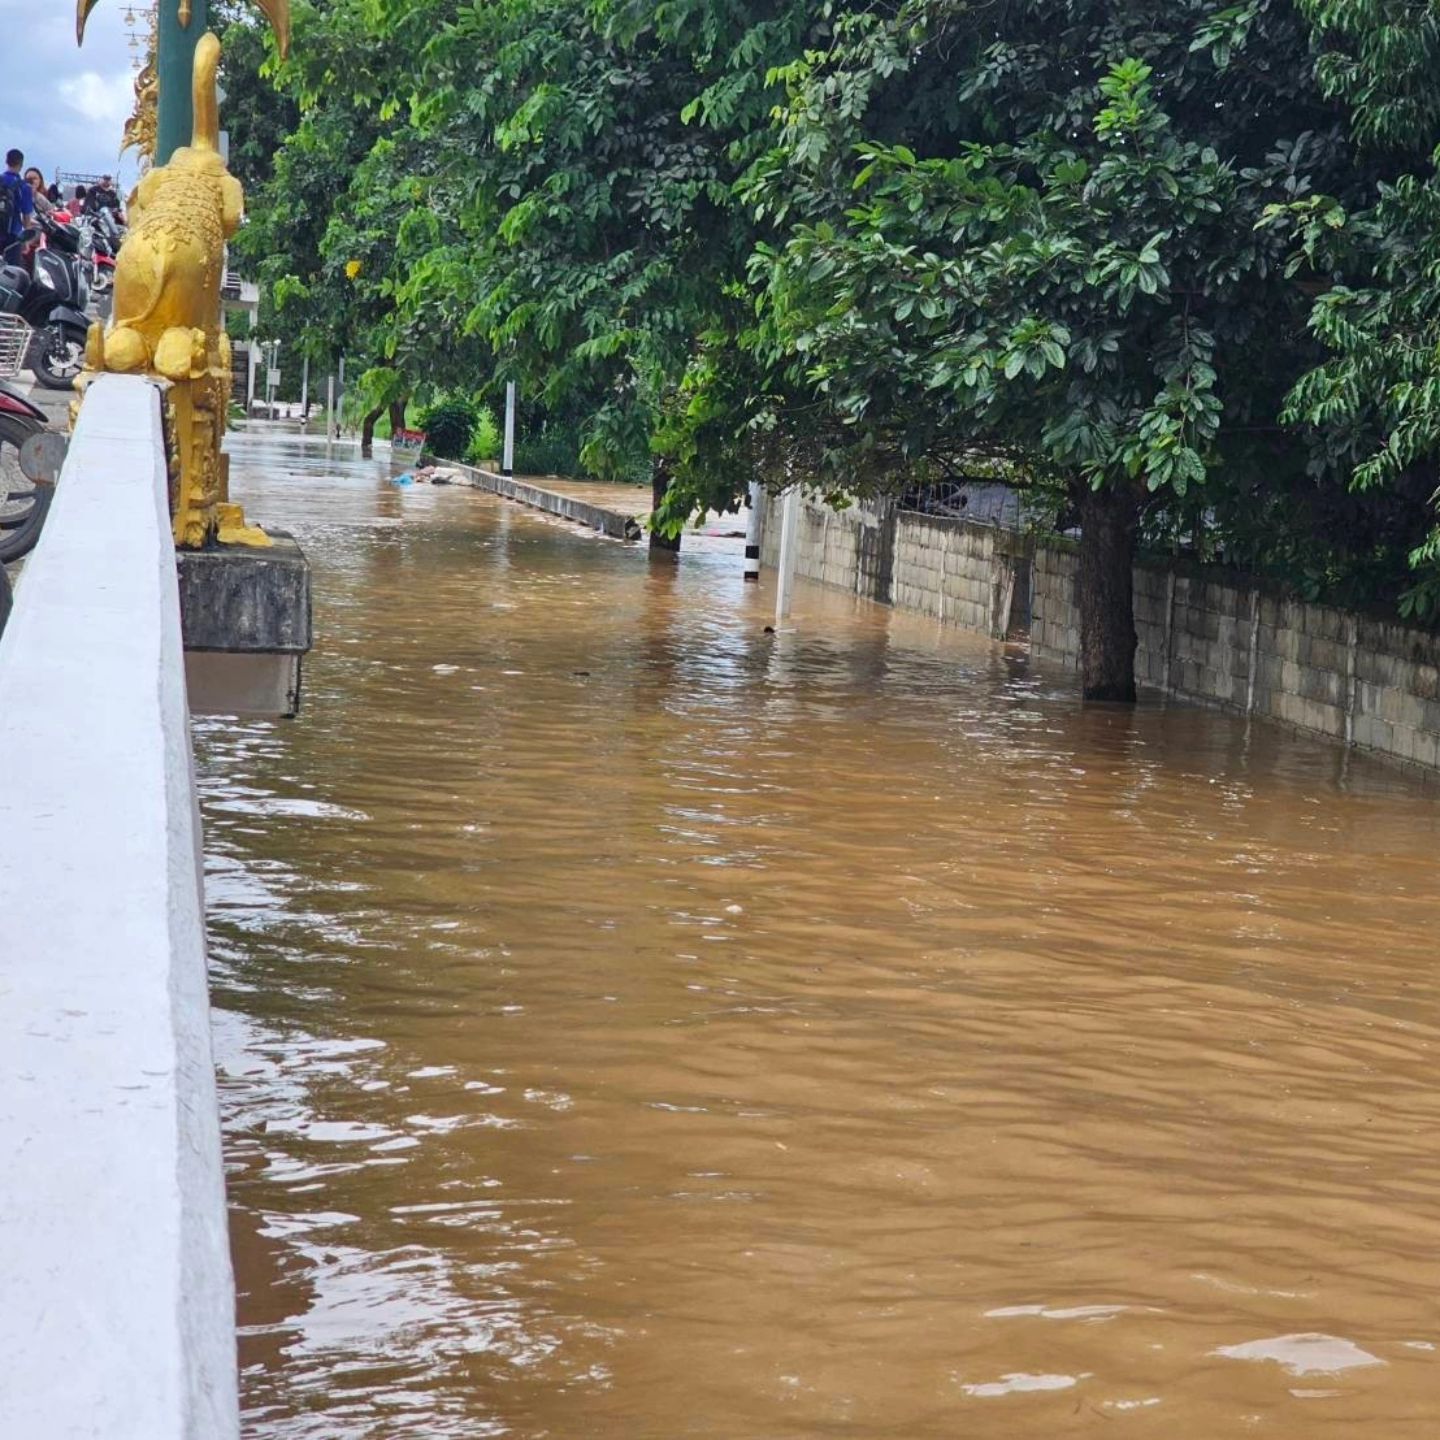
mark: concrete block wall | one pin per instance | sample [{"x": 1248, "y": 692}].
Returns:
[
  {"x": 829, "y": 543},
  {"x": 1054, "y": 610},
  {"x": 1204, "y": 633},
  {"x": 956, "y": 570},
  {"x": 1220, "y": 637},
  {"x": 946, "y": 568}
]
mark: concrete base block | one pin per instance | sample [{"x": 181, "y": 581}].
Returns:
[{"x": 238, "y": 598}]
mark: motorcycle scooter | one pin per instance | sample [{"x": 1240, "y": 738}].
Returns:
[
  {"x": 99, "y": 245},
  {"x": 51, "y": 297}
]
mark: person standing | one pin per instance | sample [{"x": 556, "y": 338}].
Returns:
[
  {"x": 17, "y": 208},
  {"x": 36, "y": 181},
  {"x": 103, "y": 196}
]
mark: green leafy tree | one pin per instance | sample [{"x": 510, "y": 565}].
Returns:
[
  {"x": 1375, "y": 401},
  {"x": 1027, "y": 234},
  {"x": 583, "y": 222},
  {"x": 321, "y": 237}
]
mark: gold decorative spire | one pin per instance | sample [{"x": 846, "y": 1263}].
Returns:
[
  {"x": 277, "y": 12},
  {"x": 82, "y": 14}
]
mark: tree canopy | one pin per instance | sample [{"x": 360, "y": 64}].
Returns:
[{"x": 1166, "y": 264}]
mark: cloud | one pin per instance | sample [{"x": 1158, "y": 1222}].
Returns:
[
  {"x": 105, "y": 99},
  {"x": 63, "y": 106}
]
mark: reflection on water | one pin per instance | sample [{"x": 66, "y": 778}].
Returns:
[{"x": 636, "y": 1025}]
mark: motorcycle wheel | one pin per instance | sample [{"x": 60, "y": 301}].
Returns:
[
  {"x": 20, "y": 541},
  {"x": 15, "y": 430},
  {"x": 102, "y": 282},
  {"x": 57, "y": 356},
  {"x": 23, "y": 506}
]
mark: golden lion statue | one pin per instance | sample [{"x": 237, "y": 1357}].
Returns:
[{"x": 167, "y": 319}]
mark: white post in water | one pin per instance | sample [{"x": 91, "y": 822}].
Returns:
[
  {"x": 507, "y": 463},
  {"x": 788, "y": 526},
  {"x": 330, "y": 407},
  {"x": 752, "y": 534},
  {"x": 340, "y": 399},
  {"x": 252, "y": 364},
  {"x": 272, "y": 367},
  {"x": 305, "y": 389}
]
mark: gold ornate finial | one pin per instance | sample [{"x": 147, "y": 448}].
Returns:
[
  {"x": 277, "y": 12},
  {"x": 167, "y": 320},
  {"x": 140, "y": 128},
  {"x": 82, "y": 14}
]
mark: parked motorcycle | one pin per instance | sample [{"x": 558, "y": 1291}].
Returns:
[
  {"x": 51, "y": 296},
  {"x": 100, "y": 244}
]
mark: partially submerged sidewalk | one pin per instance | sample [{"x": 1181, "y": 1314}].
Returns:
[{"x": 614, "y": 509}]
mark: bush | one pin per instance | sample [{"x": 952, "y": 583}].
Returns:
[
  {"x": 449, "y": 425},
  {"x": 486, "y": 441}
]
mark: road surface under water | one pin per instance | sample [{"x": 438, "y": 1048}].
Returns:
[{"x": 634, "y": 1025}]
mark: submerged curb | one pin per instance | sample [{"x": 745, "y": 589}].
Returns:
[{"x": 614, "y": 523}]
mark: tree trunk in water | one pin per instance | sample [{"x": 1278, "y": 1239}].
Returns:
[
  {"x": 659, "y": 484},
  {"x": 397, "y": 416},
  {"x": 1107, "y": 593},
  {"x": 367, "y": 432}
]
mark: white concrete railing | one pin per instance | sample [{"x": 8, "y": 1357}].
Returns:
[{"x": 117, "y": 1317}]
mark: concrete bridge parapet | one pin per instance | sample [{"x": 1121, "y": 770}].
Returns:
[{"x": 119, "y": 1300}]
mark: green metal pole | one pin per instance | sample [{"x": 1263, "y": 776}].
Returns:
[{"x": 174, "y": 68}]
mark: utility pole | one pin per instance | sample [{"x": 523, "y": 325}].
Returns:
[
  {"x": 788, "y": 526},
  {"x": 752, "y": 534},
  {"x": 507, "y": 462},
  {"x": 304, "y": 389}
]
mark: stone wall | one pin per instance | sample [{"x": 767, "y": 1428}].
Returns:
[
  {"x": 960, "y": 572},
  {"x": 1205, "y": 633},
  {"x": 1222, "y": 637}
]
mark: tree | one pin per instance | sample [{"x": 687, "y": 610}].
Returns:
[
  {"x": 1075, "y": 242},
  {"x": 587, "y": 174},
  {"x": 338, "y": 187},
  {"x": 1026, "y": 233},
  {"x": 1375, "y": 401}
]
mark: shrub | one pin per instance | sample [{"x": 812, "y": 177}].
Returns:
[
  {"x": 449, "y": 425},
  {"x": 486, "y": 441}
]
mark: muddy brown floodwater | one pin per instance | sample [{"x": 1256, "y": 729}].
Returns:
[{"x": 634, "y": 1025}]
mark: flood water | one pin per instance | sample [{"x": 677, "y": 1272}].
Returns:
[{"x": 632, "y": 1024}]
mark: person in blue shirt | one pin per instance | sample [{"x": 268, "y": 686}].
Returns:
[{"x": 17, "y": 201}]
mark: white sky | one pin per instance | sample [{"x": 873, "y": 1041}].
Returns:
[{"x": 65, "y": 107}]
